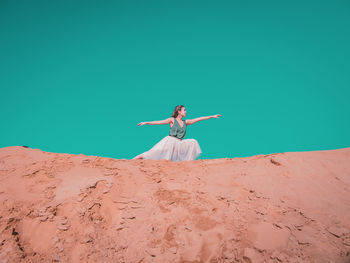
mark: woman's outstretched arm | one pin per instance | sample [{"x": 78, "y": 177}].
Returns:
[
  {"x": 192, "y": 121},
  {"x": 166, "y": 121}
]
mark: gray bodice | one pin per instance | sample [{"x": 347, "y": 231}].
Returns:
[{"x": 177, "y": 130}]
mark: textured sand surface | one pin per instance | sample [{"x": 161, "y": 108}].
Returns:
[{"x": 283, "y": 207}]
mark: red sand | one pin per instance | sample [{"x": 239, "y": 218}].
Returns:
[{"x": 283, "y": 207}]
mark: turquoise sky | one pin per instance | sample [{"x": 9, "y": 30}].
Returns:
[{"x": 77, "y": 76}]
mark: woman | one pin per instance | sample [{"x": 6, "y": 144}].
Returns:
[{"x": 174, "y": 147}]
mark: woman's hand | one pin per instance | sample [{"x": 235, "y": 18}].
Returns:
[
  {"x": 216, "y": 116},
  {"x": 142, "y": 123}
]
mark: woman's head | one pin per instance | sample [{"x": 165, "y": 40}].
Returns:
[{"x": 179, "y": 110}]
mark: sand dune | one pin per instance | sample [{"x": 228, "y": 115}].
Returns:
[{"x": 282, "y": 207}]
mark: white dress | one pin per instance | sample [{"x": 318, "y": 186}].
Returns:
[{"x": 174, "y": 148}]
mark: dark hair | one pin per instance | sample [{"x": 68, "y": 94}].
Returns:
[{"x": 177, "y": 108}]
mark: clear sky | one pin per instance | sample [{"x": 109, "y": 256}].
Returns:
[{"x": 77, "y": 76}]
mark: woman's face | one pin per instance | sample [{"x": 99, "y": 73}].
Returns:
[{"x": 183, "y": 112}]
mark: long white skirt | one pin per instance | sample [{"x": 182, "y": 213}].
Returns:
[{"x": 174, "y": 149}]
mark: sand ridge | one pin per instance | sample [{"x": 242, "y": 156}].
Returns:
[{"x": 281, "y": 207}]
